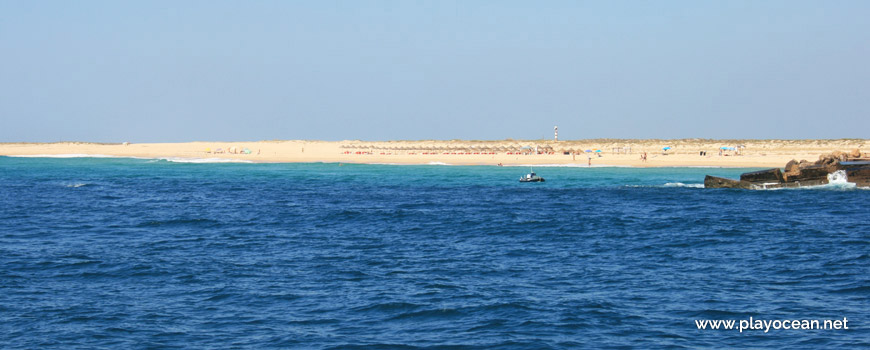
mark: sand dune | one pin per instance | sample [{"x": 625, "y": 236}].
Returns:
[{"x": 613, "y": 152}]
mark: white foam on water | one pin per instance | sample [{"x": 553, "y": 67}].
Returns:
[
  {"x": 668, "y": 185},
  {"x": 203, "y": 160},
  {"x": 837, "y": 181},
  {"x": 151, "y": 159},
  {"x": 437, "y": 163},
  {"x": 838, "y": 177},
  {"x": 77, "y": 185},
  {"x": 569, "y": 166},
  {"x": 680, "y": 184},
  {"x": 75, "y": 155}
]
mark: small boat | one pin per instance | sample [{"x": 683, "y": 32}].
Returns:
[{"x": 532, "y": 177}]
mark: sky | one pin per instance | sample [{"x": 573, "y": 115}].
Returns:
[{"x": 173, "y": 71}]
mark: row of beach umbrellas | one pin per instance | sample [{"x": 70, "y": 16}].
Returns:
[{"x": 725, "y": 148}]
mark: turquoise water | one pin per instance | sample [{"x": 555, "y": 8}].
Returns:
[{"x": 139, "y": 253}]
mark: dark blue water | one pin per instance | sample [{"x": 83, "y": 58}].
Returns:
[{"x": 129, "y": 253}]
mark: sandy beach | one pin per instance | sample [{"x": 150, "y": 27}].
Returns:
[{"x": 604, "y": 152}]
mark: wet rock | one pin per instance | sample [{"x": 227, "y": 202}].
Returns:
[
  {"x": 800, "y": 174},
  {"x": 721, "y": 182},
  {"x": 859, "y": 175},
  {"x": 763, "y": 176},
  {"x": 811, "y": 173}
]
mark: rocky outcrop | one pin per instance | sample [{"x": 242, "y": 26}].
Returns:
[
  {"x": 721, "y": 182},
  {"x": 802, "y": 173},
  {"x": 763, "y": 176}
]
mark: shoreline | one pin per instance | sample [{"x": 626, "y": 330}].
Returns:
[
  {"x": 247, "y": 161},
  {"x": 541, "y": 153}
]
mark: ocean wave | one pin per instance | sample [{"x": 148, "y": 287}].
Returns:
[
  {"x": 203, "y": 160},
  {"x": 569, "y": 166},
  {"x": 152, "y": 159},
  {"x": 680, "y": 184},
  {"x": 77, "y": 185},
  {"x": 437, "y": 163},
  {"x": 827, "y": 187},
  {"x": 73, "y": 155},
  {"x": 837, "y": 181},
  {"x": 668, "y": 185}
]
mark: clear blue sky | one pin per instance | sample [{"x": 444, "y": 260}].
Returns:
[{"x": 140, "y": 71}]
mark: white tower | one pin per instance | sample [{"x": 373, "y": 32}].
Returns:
[{"x": 556, "y": 133}]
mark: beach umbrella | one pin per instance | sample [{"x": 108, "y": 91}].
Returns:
[
  {"x": 588, "y": 151},
  {"x": 598, "y": 151},
  {"x": 666, "y": 148},
  {"x": 724, "y": 147}
]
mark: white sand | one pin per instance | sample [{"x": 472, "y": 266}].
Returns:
[{"x": 756, "y": 153}]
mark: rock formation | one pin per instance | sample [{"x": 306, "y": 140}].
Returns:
[{"x": 802, "y": 173}]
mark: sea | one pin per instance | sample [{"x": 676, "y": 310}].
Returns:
[{"x": 126, "y": 253}]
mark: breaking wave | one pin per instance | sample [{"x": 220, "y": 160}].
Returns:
[
  {"x": 203, "y": 160},
  {"x": 168, "y": 159},
  {"x": 74, "y": 155},
  {"x": 837, "y": 181},
  {"x": 568, "y": 166},
  {"x": 668, "y": 185},
  {"x": 680, "y": 184}
]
